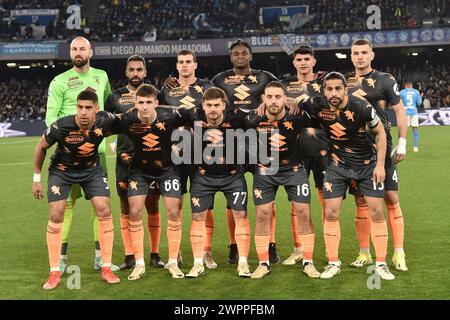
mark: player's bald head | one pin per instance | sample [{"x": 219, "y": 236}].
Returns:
[
  {"x": 81, "y": 41},
  {"x": 80, "y": 52}
]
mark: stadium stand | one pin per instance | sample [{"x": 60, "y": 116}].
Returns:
[{"x": 120, "y": 20}]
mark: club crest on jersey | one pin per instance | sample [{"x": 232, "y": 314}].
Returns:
[
  {"x": 288, "y": 125},
  {"x": 133, "y": 185},
  {"x": 258, "y": 193},
  {"x": 252, "y": 79},
  {"x": 161, "y": 126},
  {"x": 371, "y": 82},
  {"x": 195, "y": 202},
  {"x": 350, "y": 115},
  {"x": 316, "y": 87},
  {"x": 55, "y": 190},
  {"x": 198, "y": 89},
  {"x": 98, "y": 132}
]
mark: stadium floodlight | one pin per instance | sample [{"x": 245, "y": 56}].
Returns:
[
  {"x": 24, "y": 67},
  {"x": 340, "y": 55},
  {"x": 11, "y": 64}
]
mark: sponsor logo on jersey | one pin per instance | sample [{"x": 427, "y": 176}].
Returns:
[
  {"x": 216, "y": 137},
  {"x": 86, "y": 149},
  {"x": 233, "y": 79},
  {"x": 295, "y": 87},
  {"x": 150, "y": 140},
  {"x": 359, "y": 94},
  {"x": 74, "y": 139},
  {"x": 188, "y": 102},
  {"x": 337, "y": 129},
  {"x": 327, "y": 115},
  {"x": 352, "y": 82},
  {"x": 277, "y": 141},
  {"x": 126, "y": 98},
  {"x": 74, "y": 84},
  {"x": 242, "y": 92},
  {"x": 177, "y": 92}
]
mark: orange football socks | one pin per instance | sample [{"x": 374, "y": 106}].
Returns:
[{"x": 154, "y": 231}]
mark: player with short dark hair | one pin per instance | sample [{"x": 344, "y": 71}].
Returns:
[
  {"x": 244, "y": 87},
  {"x": 62, "y": 101},
  {"x": 150, "y": 129},
  {"x": 412, "y": 100},
  {"x": 76, "y": 161},
  {"x": 352, "y": 158},
  {"x": 120, "y": 101},
  {"x": 217, "y": 173},
  {"x": 187, "y": 91},
  {"x": 313, "y": 141},
  {"x": 381, "y": 90},
  {"x": 279, "y": 132}
]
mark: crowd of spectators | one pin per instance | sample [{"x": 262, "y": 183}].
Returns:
[
  {"x": 436, "y": 88},
  {"x": 433, "y": 9},
  {"x": 122, "y": 20},
  {"x": 23, "y": 99}
]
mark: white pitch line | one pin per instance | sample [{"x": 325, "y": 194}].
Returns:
[
  {"x": 17, "y": 142},
  {"x": 30, "y": 163}
]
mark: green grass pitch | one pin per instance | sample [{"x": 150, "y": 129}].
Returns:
[{"x": 425, "y": 184}]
